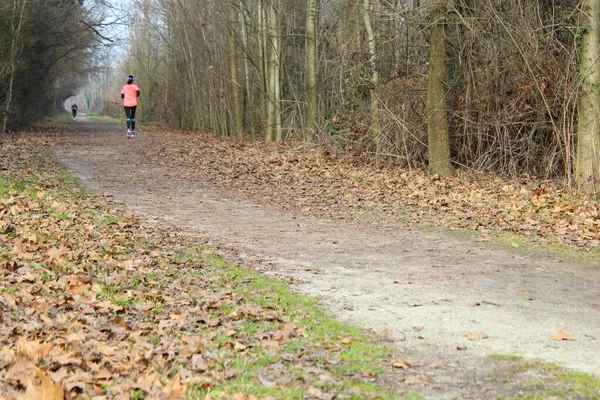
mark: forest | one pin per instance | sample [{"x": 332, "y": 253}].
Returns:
[
  {"x": 502, "y": 86},
  {"x": 325, "y": 199}
]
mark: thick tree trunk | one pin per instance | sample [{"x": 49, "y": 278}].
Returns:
[
  {"x": 437, "y": 117},
  {"x": 249, "y": 110},
  {"x": 587, "y": 173},
  {"x": 236, "y": 87},
  {"x": 368, "y": 8},
  {"x": 311, "y": 70},
  {"x": 274, "y": 131},
  {"x": 263, "y": 39}
]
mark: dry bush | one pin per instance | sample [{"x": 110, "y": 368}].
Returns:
[{"x": 511, "y": 91}]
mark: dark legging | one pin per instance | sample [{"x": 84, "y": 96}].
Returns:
[{"x": 130, "y": 114}]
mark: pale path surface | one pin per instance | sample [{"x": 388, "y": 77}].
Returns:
[{"x": 423, "y": 290}]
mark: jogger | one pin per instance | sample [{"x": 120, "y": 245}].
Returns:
[
  {"x": 74, "y": 110},
  {"x": 129, "y": 94}
]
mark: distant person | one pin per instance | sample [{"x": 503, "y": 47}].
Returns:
[
  {"x": 74, "y": 109},
  {"x": 129, "y": 94}
]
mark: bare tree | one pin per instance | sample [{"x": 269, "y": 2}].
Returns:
[
  {"x": 500, "y": 78},
  {"x": 587, "y": 173},
  {"x": 437, "y": 118},
  {"x": 235, "y": 84},
  {"x": 16, "y": 21},
  {"x": 46, "y": 54},
  {"x": 368, "y": 8},
  {"x": 312, "y": 94},
  {"x": 273, "y": 131}
]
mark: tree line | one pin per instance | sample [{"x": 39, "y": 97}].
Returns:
[
  {"x": 506, "y": 86},
  {"x": 48, "y": 49},
  {"x": 509, "y": 86}
]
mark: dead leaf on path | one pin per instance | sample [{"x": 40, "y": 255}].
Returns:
[
  {"x": 283, "y": 335},
  {"x": 72, "y": 337},
  {"x": 402, "y": 364},
  {"x": 562, "y": 335},
  {"x": 198, "y": 363},
  {"x": 476, "y": 335},
  {"x": 107, "y": 305},
  {"x": 47, "y": 389},
  {"x": 33, "y": 350},
  {"x": 103, "y": 374},
  {"x": 175, "y": 389}
]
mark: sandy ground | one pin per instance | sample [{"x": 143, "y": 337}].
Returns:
[{"x": 422, "y": 291}]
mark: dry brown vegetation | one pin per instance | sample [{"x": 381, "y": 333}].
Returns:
[
  {"x": 95, "y": 304},
  {"x": 308, "y": 178}
]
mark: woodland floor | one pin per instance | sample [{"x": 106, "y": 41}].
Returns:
[{"x": 360, "y": 238}]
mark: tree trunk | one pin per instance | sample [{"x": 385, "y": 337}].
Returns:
[
  {"x": 437, "y": 117},
  {"x": 14, "y": 50},
  {"x": 263, "y": 39},
  {"x": 274, "y": 132},
  {"x": 368, "y": 8},
  {"x": 236, "y": 87},
  {"x": 311, "y": 70},
  {"x": 587, "y": 172},
  {"x": 248, "y": 92}
]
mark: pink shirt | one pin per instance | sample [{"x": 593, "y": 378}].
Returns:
[{"x": 130, "y": 92}]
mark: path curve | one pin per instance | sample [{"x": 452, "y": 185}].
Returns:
[{"x": 424, "y": 291}]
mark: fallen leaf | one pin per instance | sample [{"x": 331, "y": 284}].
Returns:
[
  {"x": 47, "y": 390},
  {"x": 175, "y": 389},
  {"x": 562, "y": 335},
  {"x": 476, "y": 335},
  {"x": 402, "y": 364}
]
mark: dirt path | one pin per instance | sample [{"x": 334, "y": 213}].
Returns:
[{"x": 424, "y": 291}]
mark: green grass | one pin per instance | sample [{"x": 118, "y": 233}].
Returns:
[
  {"x": 4, "y": 185},
  {"x": 550, "y": 381},
  {"x": 64, "y": 117},
  {"x": 104, "y": 119},
  {"x": 360, "y": 355},
  {"x": 516, "y": 241},
  {"x": 68, "y": 118}
]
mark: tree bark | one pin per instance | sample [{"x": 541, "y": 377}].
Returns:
[
  {"x": 14, "y": 50},
  {"x": 368, "y": 8},
  {"x": 236, "y": 87},
  {"x": 437, "y": 114},
  {"x": 311, "y": 70},
  {"x": 248, "y": 84},
  {"x": 274, "y": 131},
  {"x": 587, "y": 161}
]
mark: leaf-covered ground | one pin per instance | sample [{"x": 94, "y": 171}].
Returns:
[
  {"x": 95, "y": 304},
  {"x": 293, "y": 175}
]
